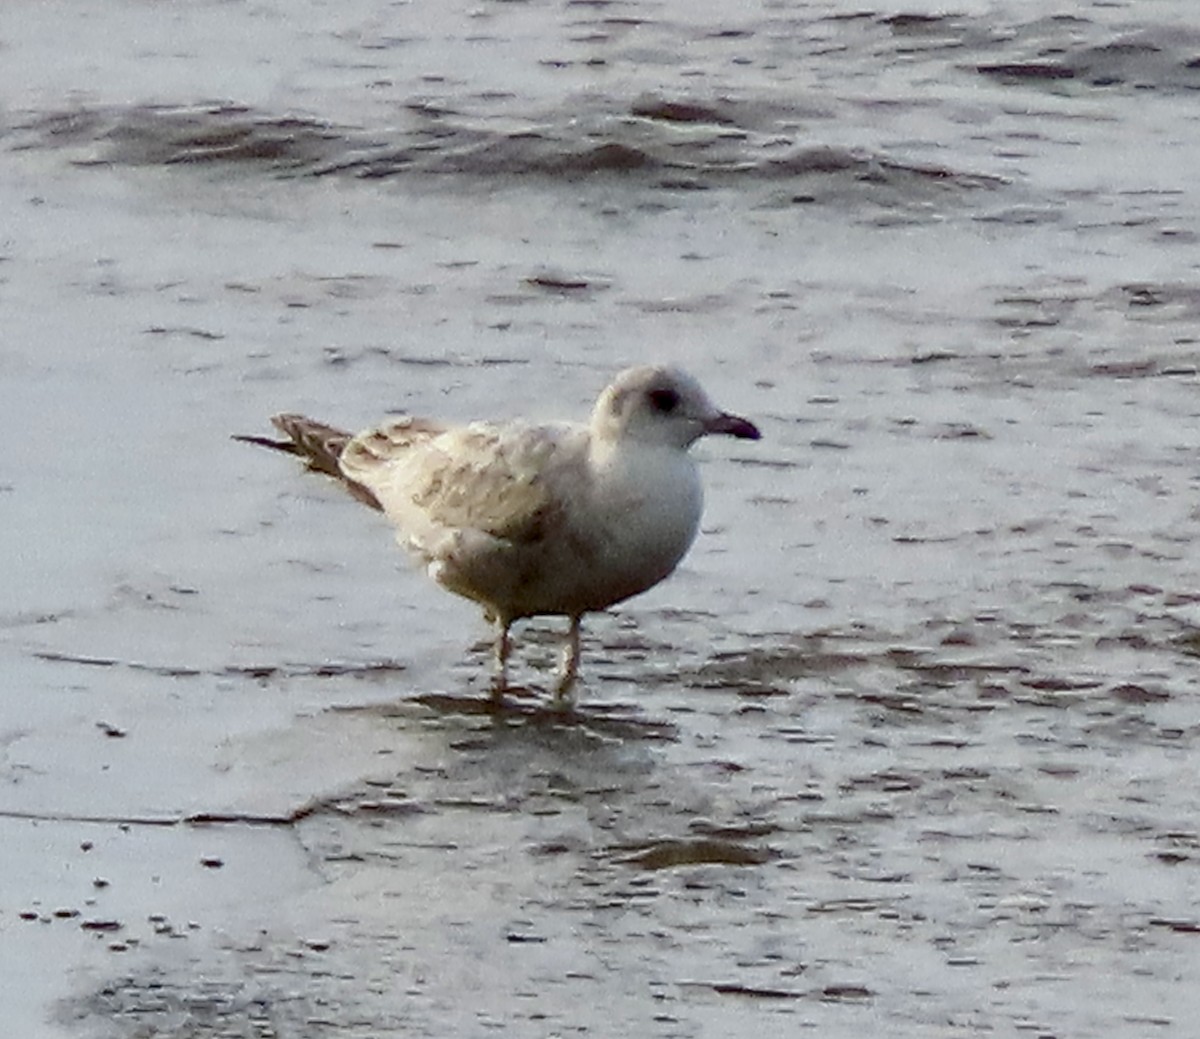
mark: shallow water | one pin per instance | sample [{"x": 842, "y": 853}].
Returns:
[{"x": 908, "y": 742}]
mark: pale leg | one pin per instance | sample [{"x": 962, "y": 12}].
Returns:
[
  {"x": 570, "y": 662},
  {"x": 503, "y": 645}
]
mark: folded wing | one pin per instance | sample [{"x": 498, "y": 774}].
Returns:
[{"x": 481, "y": 479}]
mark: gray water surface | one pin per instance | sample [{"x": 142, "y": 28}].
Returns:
[{"x": 907, "y": 745}]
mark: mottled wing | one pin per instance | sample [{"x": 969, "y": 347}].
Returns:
[{"x": 495, "y": 480}]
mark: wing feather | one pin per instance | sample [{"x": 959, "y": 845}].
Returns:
[{"x": 492, "y": 479}]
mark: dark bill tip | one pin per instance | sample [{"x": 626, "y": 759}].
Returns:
[{"x": 734, "y": 426}]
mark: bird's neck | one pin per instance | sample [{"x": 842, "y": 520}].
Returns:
[{"x": 638, "y": 469}]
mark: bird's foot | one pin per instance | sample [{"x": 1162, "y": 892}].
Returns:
[
  {"x": 497, "y": 690},
  {"x": 564, "y": 694},
  {"x": 569, "y": 672}
]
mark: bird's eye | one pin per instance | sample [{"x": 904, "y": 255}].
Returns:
[{"x": 664, "y": 401}]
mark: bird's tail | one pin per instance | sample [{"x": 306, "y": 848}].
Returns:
[{"x": 319, "y": 446}]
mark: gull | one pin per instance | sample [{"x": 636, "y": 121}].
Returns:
[{"x": 532, "y": 519}]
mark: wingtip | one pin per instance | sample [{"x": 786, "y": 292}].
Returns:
[{"x": 275, "y": 445}]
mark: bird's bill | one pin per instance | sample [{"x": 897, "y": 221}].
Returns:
[{"x": 733, "y": 425}]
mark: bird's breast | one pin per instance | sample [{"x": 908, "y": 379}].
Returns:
[{"x": 651, "y": 507}]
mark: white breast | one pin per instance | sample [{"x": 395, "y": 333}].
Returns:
[{"x": 651, "y": 500}]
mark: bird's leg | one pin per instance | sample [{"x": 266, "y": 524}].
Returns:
[
  {"x": 503, "y": 645},
  {"x": 570, "y": 663}
]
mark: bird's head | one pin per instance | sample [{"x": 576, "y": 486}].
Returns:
[{"x": 663, "y": 406}]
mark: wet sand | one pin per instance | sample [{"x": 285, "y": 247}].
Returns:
[{"x": 906, "y": 746}]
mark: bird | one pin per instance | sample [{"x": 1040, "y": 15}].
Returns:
[{"x": 529, "y": 519}]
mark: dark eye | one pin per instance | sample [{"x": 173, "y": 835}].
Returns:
[{"x": 664, "y": 401}]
